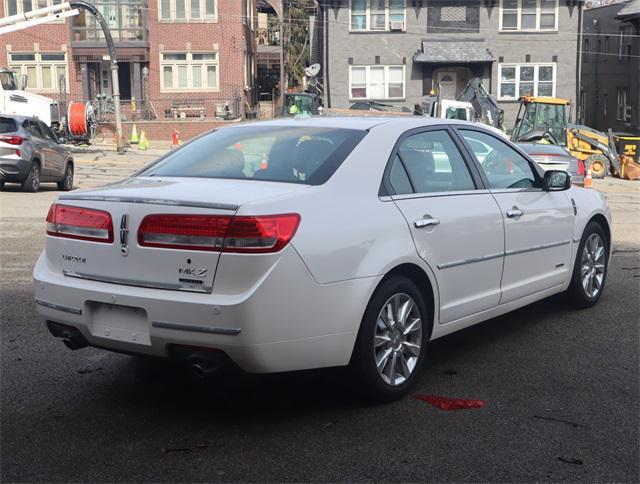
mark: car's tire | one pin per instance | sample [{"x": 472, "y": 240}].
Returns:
[
  {"x": 599, "y": 166},
  {"x": 66, "y": 184},
  {"x": 32, "y": 183},
  {"x": 590, "y": 268},
  {"x": 395, "y": 342}
]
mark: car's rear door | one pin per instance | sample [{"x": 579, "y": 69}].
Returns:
[
  {"x": 538, "y": 223},
  {"x": 39, "y": 145},
  {"x": 455, "y": 223}
]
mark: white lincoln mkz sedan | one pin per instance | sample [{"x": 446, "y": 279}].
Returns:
[{"x": 307, "y": 243}]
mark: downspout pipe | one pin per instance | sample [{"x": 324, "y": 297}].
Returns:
[
  {"x": 114, "y": 65},
  {"x": 579, "y": 107}
]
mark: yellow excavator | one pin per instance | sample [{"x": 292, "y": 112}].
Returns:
[{"x": 543, "y": 119}]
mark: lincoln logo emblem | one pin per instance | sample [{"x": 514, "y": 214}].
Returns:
[{"x": 124, "y": 234}]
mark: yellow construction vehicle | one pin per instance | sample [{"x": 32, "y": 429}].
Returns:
[{"x": 544, "y": 119}]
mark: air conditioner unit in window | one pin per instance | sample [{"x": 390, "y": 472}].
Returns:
[
  {"x": 397, "y": 25},
  {"x": 627, "y": 114}
]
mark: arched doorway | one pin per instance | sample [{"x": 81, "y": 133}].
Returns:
[{"x": 452, "y": 80}]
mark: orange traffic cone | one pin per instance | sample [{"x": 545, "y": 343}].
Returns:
[
  {"x": 176, "y": 137},
  {"x": 588, "y": 179},
  {"x": 263, "y": 162}
]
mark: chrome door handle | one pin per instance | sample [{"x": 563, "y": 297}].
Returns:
[
  {"x": 514, "y": 212},
  {"x": 426, "y": 222}
]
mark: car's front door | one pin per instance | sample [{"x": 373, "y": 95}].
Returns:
[
  {"x": 538, "y": 223},
  {"x": 56, "y": 157},
  {"x": 456, "y": 225}
]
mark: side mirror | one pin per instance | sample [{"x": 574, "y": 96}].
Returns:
[
  {"x": 556, "y": 180},
  {"x": 25, "y": 82}
]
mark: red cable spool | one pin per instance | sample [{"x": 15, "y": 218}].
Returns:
[{"x": 77, "y": 116}]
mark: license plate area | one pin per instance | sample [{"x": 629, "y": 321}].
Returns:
[{"x": 120, "y": 323}]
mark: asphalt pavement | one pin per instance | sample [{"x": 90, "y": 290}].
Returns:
[{"x": 561, "y": 389}]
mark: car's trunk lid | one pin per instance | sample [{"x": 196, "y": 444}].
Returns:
[{"x": 125, "y": 261}]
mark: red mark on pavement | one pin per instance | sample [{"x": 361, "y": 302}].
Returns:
[{"x": 444, "y": 403}]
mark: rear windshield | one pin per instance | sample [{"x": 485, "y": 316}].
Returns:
[
  {"x": 8, "y": 125},
  {"x": 306, "y": 155}
]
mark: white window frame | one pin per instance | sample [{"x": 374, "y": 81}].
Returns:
[
  {"x": 386, "y": 83},
  {"x": 189, "y": 63},
  {"x": 517, "y": 79},
  {"x": 187, "y": 12},
  {"x": 20, "y": 9},
  {"x": 625, "y": 32},
  {"x": 622, "y": 94},
  {"x": 387, "y": 22},
  {"x": 538, "y": 16},
  {"x": 38, "y": 64}
]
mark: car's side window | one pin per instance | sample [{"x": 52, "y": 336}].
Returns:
[
  {"x": 32, "y": 128},
  {"x": 46, "y": 131},
  {"x": 399, "y": 179},
  {"x": 503, "y": 165},
  {"x": 433, "y": 164}
]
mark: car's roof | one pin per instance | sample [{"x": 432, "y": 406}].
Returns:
[
  {"x": 359, "y": 122},
  {"x": 18, "y": 118}
]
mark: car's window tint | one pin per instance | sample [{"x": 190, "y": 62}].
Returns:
[
  {"x": 298, "y": 154},
  {"x": 503, "y": 165},
  {"x": 434, "y": 163},
  {"x": 32, "y": 128},
  {"x": 46, "y": 131},
  {"x": 399, "y": 179},
  {"x": 8, "y": 125}
]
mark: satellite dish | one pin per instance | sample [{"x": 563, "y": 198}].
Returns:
[{"x": 313, "y": 70}]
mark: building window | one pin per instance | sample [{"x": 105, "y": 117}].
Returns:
[
  {"x": 623, "y": 95},
  {"x": 528, "y": 15},
  {"x": 188, "y": 10},
  {"x": 376, "y": 82},
  {"x": 605, "y": 107},
  {"x": 377, "y": 15},
  {"x": 526, "y": 80},
  {"x": 43, "y": 69},
  {"x": 453, "y": 14},
  {"x": 13, "y": 7},
  {"x": 189, "y": 71},
  {"x": 624, "y": 47},
  {"x": 585, "y": 53}
]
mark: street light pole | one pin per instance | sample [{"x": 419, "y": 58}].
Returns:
[{"x": 114, "y": 66}]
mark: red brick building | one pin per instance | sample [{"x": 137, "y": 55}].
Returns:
[{"x": 176, "y": 58}]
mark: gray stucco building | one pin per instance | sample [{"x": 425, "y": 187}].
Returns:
[
  {"x": 397, "y": 51},
  {"x": 611, "y": 72}
]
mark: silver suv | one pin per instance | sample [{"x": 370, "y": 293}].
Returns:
[{"x": 30, "y": 153}]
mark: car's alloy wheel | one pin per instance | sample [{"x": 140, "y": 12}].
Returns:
[
  {"x": 590, "y": 268},
  {"x": 392, "y": 340},
  {"x": 66, "y": 184},
  {"x": 592, "y": 265},
  {"x": 32, "y": 183},
  {"x": 398, "y": 339}
]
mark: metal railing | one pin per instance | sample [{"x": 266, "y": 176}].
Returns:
[{"x": 168, "y": 110}]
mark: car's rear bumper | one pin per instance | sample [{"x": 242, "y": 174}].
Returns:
[
  {"x": 287, "y": 322},
  {"x": 14, "y": 170}
]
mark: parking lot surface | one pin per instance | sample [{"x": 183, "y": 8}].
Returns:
[{"x": 561, "y": 389}]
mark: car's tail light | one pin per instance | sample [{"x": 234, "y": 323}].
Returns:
[
  {"x": 79, "y": 223},
  {"x": 194, "y": 232},
  {"x": 220, "y": 233},
  {"x": 580, "y": 167},
  {"x": 14, "y": 140}
]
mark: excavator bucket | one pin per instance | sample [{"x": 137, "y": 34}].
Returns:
[{"x": 629, "y": 169}]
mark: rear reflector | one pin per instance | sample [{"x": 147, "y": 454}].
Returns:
[
  {"x": 219, "y": 233},
  {"x": 79, "y": 223}
]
